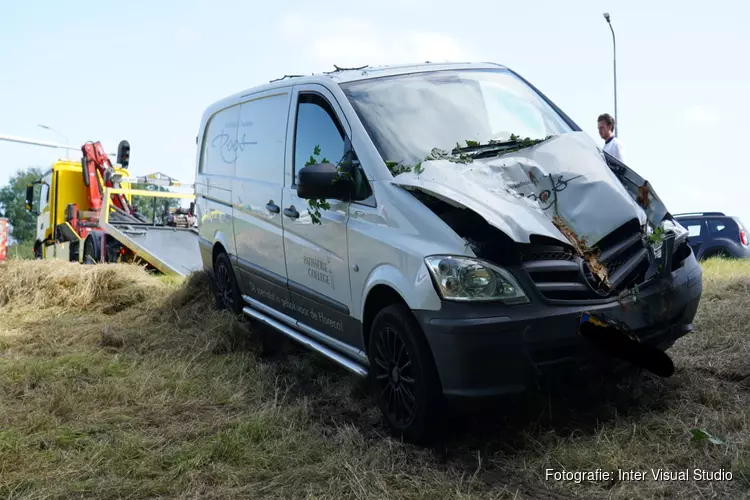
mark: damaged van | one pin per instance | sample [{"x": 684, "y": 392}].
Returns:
[{"x": 442, "y": 229}]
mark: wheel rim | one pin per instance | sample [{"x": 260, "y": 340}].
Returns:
[
  {"x": 225, "y": 287},
  {"x": 395, "y": 376}
]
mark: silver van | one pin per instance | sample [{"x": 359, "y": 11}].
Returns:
[{"x": 443, "y": 229}]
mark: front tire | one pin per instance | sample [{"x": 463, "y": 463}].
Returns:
[{"x": 404, "y": 377}]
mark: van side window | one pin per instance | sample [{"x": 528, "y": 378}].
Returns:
[
  {"x": 317, "y": 127},
  {"x": 220, "y": 143},
  {"x": 261, "y": 139}
]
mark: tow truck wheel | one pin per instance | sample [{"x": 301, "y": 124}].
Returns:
[
  {"x": 404, "y": 376},
  {"x": 227, "y": 291},
  {"x": 92, "y": 252}
]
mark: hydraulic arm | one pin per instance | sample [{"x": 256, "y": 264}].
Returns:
[{"x": 95, "y": 160}]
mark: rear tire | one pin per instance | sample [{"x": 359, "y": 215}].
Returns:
[
  {"x": 226, "y": 290},
  {"x": 229, "y": 298},
  {"x": 404, "y": 377}
]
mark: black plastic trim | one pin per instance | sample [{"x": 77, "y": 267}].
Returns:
[{"x": 318, "y": 297}]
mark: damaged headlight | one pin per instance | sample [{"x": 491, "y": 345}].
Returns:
[{"x": 466, "y": 279}]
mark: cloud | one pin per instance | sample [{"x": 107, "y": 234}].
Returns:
[{"x": 701, "y": 115}]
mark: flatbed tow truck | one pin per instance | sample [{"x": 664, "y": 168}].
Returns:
[{"x": 85, "y": 214}]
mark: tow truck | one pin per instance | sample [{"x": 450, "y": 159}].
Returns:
[{"x": 85, "y": 213}]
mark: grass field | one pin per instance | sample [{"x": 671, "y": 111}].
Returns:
[
  {"x": 23, "y": 250},
  {"x": 116, "y": 384}
]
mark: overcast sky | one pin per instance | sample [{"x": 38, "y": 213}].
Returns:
[{"x": 144, "y": 72}]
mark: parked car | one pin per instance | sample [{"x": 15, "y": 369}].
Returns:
[
  {"x": 715, "y": 234},
  {"x": 442, "y": 229}
]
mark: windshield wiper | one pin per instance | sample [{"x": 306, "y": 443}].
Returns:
[
  {"x": 494, "y": 148},
  {"x": 478, "y": 150}
]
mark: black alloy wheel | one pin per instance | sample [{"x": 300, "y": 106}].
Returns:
[
  {"x": 227, "y": 292},
  {"x": 405, "y": 380},
  {"x": 395, "y": 372}
]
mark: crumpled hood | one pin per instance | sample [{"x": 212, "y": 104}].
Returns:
[{"x": 520, "y": 192}]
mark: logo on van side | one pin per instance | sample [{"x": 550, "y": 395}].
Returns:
[
  {"x": 319, "y": 270},
  {"x": 229, "y": 148}
]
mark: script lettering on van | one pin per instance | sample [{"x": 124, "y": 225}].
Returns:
[
  {"x": 307, "y": 312},
  {"x": 229, "y": 148},
  {"x": 319, "y": 270},
  {"x": 547, "y": 197}
]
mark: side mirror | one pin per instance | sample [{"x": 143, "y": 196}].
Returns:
[
  {"x": 323, "y": 180},
  {"x": 30, "y": 198}
]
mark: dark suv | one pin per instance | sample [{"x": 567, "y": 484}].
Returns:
[{"x": 714, "y": 234}]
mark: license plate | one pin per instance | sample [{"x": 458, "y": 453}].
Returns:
[{"x": 590, "y": 318}]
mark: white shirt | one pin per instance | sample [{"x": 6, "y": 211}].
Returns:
[{"x": 615, "y": 148}]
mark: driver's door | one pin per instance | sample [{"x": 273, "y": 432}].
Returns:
[
  {"x": 37, "y": 200},
  {"x": 317, "y": 260}
]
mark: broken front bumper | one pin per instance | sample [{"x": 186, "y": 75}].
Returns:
[{"x": 493, "y": 349}]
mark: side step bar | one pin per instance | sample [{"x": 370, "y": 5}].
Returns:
[{"x": 337, "y": 358}]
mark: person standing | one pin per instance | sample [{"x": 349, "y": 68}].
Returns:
[{"x": 612, "y": 144}]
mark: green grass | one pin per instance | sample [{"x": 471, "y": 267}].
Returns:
[
  {"x": 164, "y": 397},
  {"x": 22, "y": 250}
]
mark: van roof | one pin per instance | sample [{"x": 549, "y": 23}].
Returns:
[{"x": 345, "y": 75}]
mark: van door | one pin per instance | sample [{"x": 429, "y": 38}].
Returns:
[
  {"x": 213, "y": 181},
  {"x": 317, "y": 260},
  {"x": 257, "y": 196}
]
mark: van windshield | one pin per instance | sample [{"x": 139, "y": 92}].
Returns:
[{"x": 408, "y": 115}]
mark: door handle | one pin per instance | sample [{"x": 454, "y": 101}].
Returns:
[
  {"x": 291, "y": 212},
  {"x": 272, "y": 207}
]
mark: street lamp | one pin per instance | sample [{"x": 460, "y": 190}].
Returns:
[
  {"x": 614, "y": 59},
  {"x": 67, "y": 154}
]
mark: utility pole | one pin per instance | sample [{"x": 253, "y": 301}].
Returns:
[
  {"x": 58, "y": 133},
  {"x": 614, "y": 60}
]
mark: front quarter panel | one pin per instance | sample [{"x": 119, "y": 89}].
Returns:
[{"x": 387, "y": 246}]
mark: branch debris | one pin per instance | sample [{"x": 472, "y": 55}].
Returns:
[{"x": 581, "y": 248}]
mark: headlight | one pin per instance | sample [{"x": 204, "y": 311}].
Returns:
[{"x": 466, "y": 279}]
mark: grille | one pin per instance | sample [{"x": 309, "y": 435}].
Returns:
[{"x": 559, "y": 274}]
